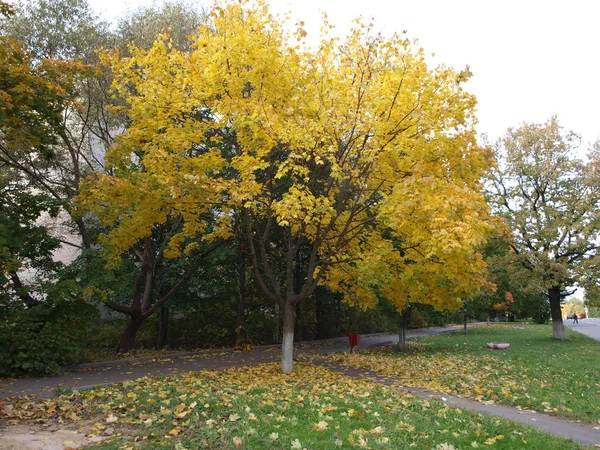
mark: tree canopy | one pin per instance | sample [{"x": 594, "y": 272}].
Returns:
[
  {"x": 353, "y": 165},
  {"x": 550, "y": 199}
]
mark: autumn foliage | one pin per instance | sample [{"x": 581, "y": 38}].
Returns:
[{"x": 352, "y": 164}]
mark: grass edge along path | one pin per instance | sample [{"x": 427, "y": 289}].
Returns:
[
  {"x": 259, "y": 407},
  {"x": 534, "y": 373},
  {"x": 581, "y": 433}
]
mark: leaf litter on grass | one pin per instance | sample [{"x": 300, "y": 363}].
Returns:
[
  {"x": 259, "y": 407},
  {"x": 535, "y": 373}
]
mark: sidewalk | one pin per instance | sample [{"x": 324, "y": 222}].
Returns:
[
  {"x": 584, "y": 434},
  {"x": 45, "y": 387},
  {"x": 589, "y": 327},
  {"x": 117, "y": 371}
]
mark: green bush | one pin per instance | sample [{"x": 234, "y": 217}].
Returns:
[
  {"x": 39, "y": 340},
  {"x": 106, "y": 333},
  {"x": 418, "y": 319},
  {"x": 594, "y": 311}
]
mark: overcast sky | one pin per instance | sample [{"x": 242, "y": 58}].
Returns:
[{"x": 530, "y": 59}]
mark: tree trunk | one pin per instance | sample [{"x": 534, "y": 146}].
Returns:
[
  {"x": 163, "y": 326},
  {"x": 465, "y": 323},
  {"x": 298, "y": 325},
  {"x": 276, "y": 339},
  {"x": 128, "y": 336},
  {"x": 240, "y": 329},
  {"x": 21, "y": 290},
  {"x": 83, "y": 232},
  {"x": 287, "y": 345},
  {"x": 404, "y": 319},
  {"x": 558, "y": 329}
]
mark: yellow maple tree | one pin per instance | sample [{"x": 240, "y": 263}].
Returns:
[{"x": 353, "y": 164}]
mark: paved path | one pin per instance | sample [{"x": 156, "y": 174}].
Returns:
[
  {"x": 590, "y": 327},
  {"x": 580, "y": 433},
  {"x": 43, "y": 387}
]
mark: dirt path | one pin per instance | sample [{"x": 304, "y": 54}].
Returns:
[{"x": 46, "y": 437}]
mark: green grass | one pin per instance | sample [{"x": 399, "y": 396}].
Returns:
[
  {"x": 260, "y": 408},
  {"x": 536, "y": 372}
]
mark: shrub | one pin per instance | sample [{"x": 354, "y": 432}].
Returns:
[
  {"x": 41, "y": 339},
  {"x": 418, "y": 319}
]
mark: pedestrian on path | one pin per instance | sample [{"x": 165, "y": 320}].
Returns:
[{"x": 575, "y": 318}]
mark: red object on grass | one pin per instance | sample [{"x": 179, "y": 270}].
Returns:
[{"x": 354, "y": 340}]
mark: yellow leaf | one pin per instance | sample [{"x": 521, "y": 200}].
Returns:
[{"x": 321, "y": 426}]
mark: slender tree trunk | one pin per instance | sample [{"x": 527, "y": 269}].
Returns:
[
  {"x": 240, "y": 329},
  {"x": 287, "y": 345},
  {"x": 21, "y": 290},
  {"x": 465, "y": 323},
  {"x": 163, "y": 326},
  {"x": 404, "y": 319},
  {"x": 83, "y": 232},
  {"x": 276, "y": 339},
  {"x": 558, "y": 329},
  {"x": 298, "y": 276},
  {"x": 128, "y": 336},
  {"x": 298, "y": 325}
]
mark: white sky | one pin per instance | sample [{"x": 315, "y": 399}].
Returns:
[{"x": 530, "y": 58}]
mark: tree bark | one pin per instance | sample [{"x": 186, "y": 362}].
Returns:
[
  {"x": 558, "y": 329},
  {"x": 298, "y": 325},
  {"x": 163, "y": 326},
  {"x": 240, "y": 329},
  {"x": 287, "y": 345},
  {"x": 404, "y": 319},
  {"x": 276, "y": 339},
  {"x": 142, "y": 305},
  {"x": 128, "y": 336},
  {"x": 25, "y": 297},
  {"x": 83, "y": 232}
]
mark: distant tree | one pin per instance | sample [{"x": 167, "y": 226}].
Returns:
[
  {"x": 591, "y": 282},
  {"x": 32, "y": 100},
  {"x": 177, "y": 19},
  {"x": 24, "y": 248},
  {"x": 572, "y": 306},
  {"x": 551, "y": 201},
  {"x": 65, "y": 33}
]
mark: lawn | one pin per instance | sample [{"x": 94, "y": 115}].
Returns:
[
  {"x": 260, "y": 408},
  {"x": 536, "y": 372}
]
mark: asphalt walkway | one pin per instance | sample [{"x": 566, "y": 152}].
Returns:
[
  {"x": 95, "y": 374},
  {"x": 581, "y": 433},
  {"x": 589, "y": 327},
  {"x": 117, "y": 371}
]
